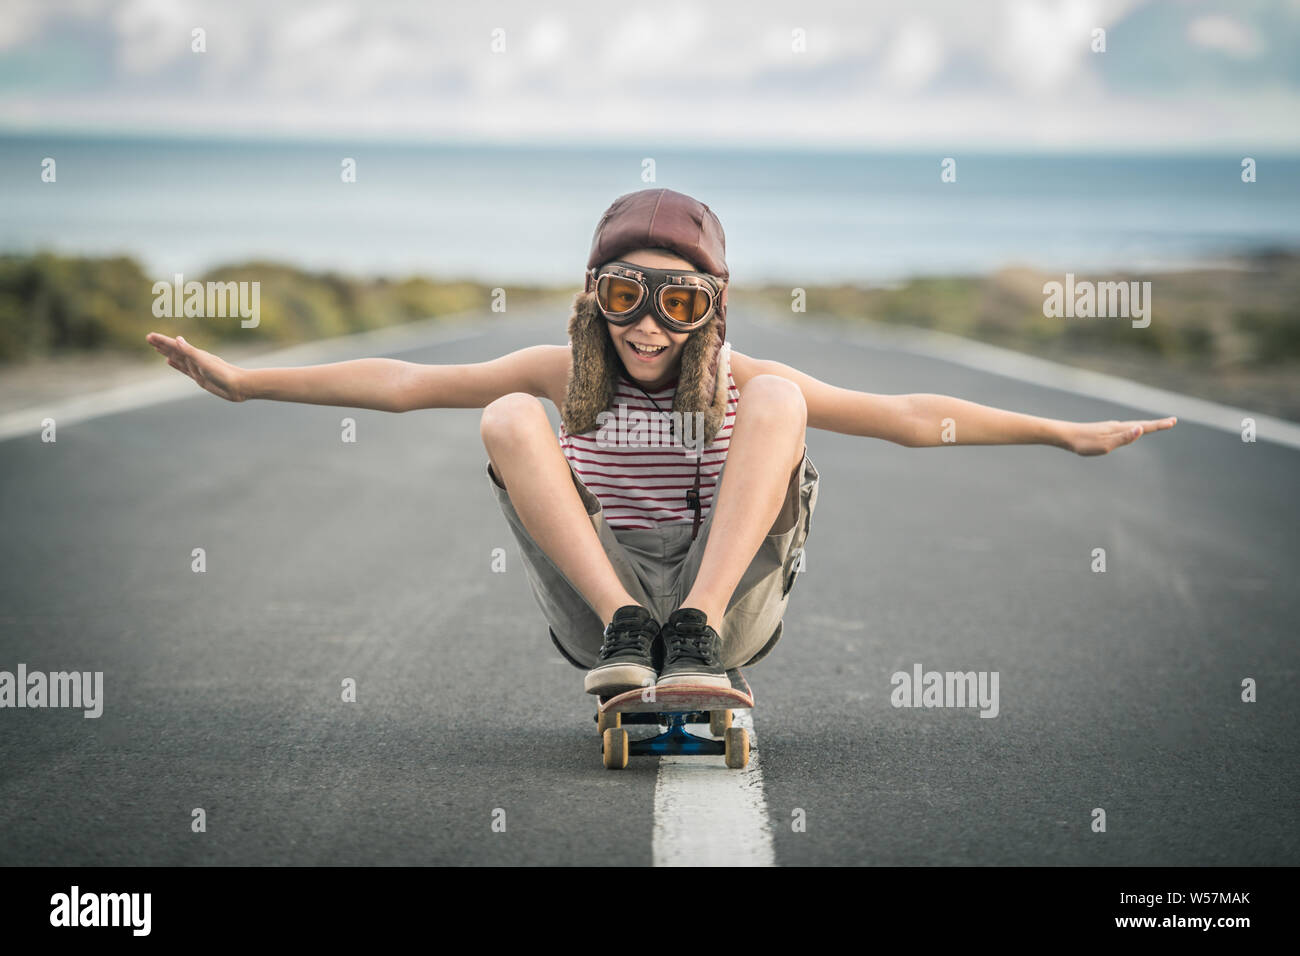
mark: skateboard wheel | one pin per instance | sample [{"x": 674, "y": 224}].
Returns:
[
  {"x": 737, "y": 744},
  {"x": 719, "y": 721},
  {"x": 606, "y": 720},
  {"x": 614, "y": 748}
]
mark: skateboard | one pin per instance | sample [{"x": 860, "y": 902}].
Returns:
[{"x": 676, "y": 706}]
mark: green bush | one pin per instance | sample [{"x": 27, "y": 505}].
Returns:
[
  {"x": 1275, "y": 334},
  {"x": 1227, "y": 317},
  {"x": 51, "y": 304}
]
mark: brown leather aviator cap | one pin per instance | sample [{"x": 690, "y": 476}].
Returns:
[{"x": 661, "y": 219}]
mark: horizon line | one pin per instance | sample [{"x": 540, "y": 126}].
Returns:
[{"x": 561, "y": 143}]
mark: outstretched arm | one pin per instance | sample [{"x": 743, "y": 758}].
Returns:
[
  {"x": 938, "y": 420},
  {"x": 384, "y": 384},
  {"x": 926, "y": 420}
]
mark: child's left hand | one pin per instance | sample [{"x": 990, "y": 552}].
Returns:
[{"x": 1098, "y": 438}]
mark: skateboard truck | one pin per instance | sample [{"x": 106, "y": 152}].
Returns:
[{"x": 676, "y": 740}]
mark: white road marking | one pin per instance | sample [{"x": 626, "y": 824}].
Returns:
[
  {"x": 709, "y": 815},
  {"x": 1156, "y": 402},
  {"x": 167, "y": 384}
]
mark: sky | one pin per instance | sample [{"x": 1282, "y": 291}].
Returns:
[{"x": 924, "y": 74}]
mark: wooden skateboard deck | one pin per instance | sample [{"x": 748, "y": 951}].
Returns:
[
  {"x": 676, "y": 706},
  {"x": 681, "y": 698}
]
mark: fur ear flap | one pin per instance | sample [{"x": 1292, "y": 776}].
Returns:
[
  {"x": 595, "y": 364},
  {"x": 722, "y": 385},
  {"x": 698, "y": 385}
]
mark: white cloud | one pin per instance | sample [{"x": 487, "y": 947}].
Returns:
[
  {"x": 915, "y": 54},
  {"x": 1020, "y": 72},
  {"x": 1224, "y": 33},
  {"x": 547, "y": 40},
  {"x": 23, "y": 20},
  {"x": 1041, "y": 46},
  {"x": 20, "y": 22},
  {"x": 153, "y": 33}
]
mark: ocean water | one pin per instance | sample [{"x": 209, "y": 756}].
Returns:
[{"x": 503, "y": 215}]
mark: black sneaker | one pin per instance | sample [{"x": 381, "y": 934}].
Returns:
[
  {"x": 625, "y": 657},
  {"x": 693, "y": 651}
]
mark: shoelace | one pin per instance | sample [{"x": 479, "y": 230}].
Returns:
[
  {"x": 692, "y": 642},
  {"x": 626, "y": 637}
]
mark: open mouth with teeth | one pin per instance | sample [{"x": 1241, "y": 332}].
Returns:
[{"x": 646, "y": 351}]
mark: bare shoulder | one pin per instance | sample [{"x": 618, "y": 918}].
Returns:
[{"x": 745, "y": 367}]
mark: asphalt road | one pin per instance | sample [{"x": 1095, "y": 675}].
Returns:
[{"x": 372, "y": 561}]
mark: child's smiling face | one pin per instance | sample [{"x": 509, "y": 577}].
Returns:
[{"x": 650, "y": 370}]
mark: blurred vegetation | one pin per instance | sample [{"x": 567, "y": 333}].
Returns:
[
  {"x": 52, "y": 305},
  {"x": 1230, "y": 335},
  {"x": 1243, "y": 317}
]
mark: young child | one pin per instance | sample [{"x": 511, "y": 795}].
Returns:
[{"x": 648, "y": 566}]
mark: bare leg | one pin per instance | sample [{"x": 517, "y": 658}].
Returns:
[
  {"x": 767, "y": 444},
  {"x": 527, "y": 459}
]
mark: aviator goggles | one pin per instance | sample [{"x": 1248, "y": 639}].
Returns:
[{"x": 679, "y": 301}]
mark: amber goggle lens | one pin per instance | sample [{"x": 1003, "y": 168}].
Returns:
[
  {"x": 618, "y": 295},
  {"x": 684, "y": 303}
]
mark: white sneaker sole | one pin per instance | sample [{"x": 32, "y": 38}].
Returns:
[
  {"x": 617, "y": 678},
  {"x": 721, "y": 681}
]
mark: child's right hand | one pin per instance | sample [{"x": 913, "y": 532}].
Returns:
[{"x": 215, "y": 374}]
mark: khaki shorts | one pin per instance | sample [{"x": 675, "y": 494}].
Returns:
[{"x": 658, "y": 568}]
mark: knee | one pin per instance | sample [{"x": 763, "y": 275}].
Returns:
[
  {"x": 511, "y": 418},
  {"x": 776, "y": 400}
]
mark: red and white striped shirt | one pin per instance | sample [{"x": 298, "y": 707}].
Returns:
[{"x": 644, "y": 484}]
